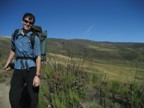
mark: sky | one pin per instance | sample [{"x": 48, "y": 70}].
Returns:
[{"x": 97, "y": 20}]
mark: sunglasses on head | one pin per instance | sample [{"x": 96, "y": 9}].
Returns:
[{"x": 26, "y": 21}]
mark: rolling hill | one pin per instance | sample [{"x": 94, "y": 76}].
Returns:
[
  {"x": 87, "y": 48},
  {"x": 111, "y": 61}
]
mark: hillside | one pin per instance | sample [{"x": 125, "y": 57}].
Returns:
[
  {"x": 105, "y": 67},
  {"x": 106, "y": 56},
  {"x": 87, "y": 48},
  {"x": 98, "y": 50}
]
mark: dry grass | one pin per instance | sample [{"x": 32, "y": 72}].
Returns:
[{"x": 122, "y": 73}]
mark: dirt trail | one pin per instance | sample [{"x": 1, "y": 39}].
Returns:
[
  {"x": 4, "y": 89},
  {"x": 4, "y": 95}
]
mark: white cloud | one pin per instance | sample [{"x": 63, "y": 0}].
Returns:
[{"x": 88, "y": 30}]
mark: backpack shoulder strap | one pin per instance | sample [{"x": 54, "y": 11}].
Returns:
[
  {"x": 15, "y": 36},
  {"x": 32, "y": 39},
  {"x": 37, "y": 31}
]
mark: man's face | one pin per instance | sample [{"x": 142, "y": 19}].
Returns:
[{"x": 27, "y": 23}]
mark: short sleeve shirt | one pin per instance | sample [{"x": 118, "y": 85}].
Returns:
[{"x": 23, "y": 48}]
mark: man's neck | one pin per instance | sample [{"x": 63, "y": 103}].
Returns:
[{"x": 24, "y": 31}]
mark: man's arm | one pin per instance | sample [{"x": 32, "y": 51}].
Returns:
[
  {"x": 11, "y": 55},
  {"x": 37, "y": 52},
  {"x": 38, "y": 65},
  {"x": 36, "y": 80}
]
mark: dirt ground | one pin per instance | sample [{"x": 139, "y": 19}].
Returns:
[
  {"x": 4, "y": 88},
  {"x": 4, "y": 95}
]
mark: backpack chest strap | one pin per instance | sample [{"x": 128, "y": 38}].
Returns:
[{"x": 25, "y": 58}]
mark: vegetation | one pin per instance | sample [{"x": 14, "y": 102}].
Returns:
[
  {"x": 89, "y": 74},
  {"x": 70, "y": 85}
]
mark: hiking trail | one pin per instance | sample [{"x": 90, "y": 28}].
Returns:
[{"x": 4, "y": 95}]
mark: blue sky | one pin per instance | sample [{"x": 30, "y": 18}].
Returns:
[{"x": 98, "y": 20}]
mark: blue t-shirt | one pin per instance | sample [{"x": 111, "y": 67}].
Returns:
[{"x": 23, "y": 48}]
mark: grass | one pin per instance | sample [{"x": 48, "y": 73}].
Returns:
[
  {"x": 102, "y": 48},
  {"x": 73, "y": 83},
  {"x": 114, "y": 71},
  {"x": 109, "y": 78}
]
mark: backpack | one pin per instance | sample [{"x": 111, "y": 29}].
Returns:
[{"x": 42, "y": 35}]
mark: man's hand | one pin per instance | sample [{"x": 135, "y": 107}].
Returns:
[
  {"x": 7, "y": 66},
  {"x": 36, "y": 81}
]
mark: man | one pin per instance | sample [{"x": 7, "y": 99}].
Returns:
[{"x": 27, "y": 64}]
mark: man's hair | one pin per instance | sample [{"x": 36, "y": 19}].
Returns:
[{"x": 30, "y": 16}]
